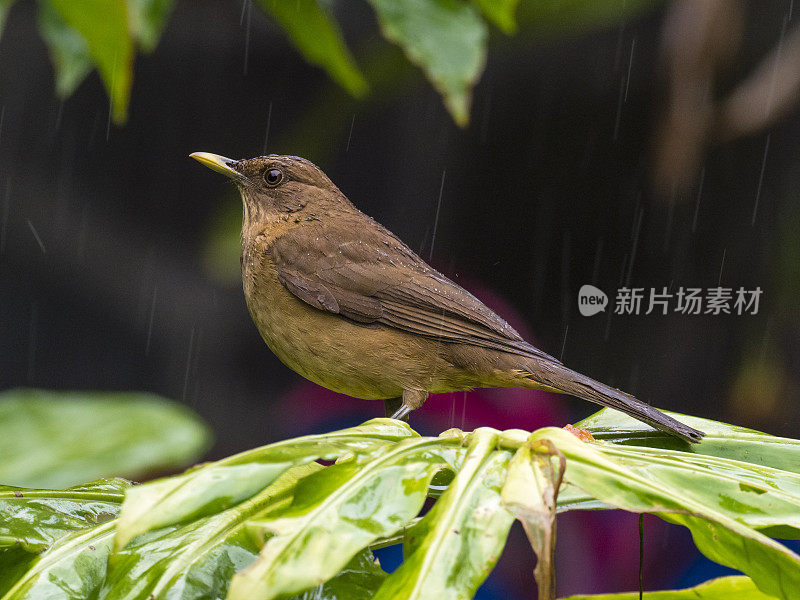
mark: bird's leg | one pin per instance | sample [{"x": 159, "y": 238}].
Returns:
[
  {"x": 392, "y": 405},
  {"x": 412, "y": 400}
]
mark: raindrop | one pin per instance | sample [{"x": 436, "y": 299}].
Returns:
[
  {"x": 699, "y": 194},
  {"x": 247, "y": 34},
  {"x": 760, "y": 181},
  {"x": 630, "y": 64},
  {"x": 719, "y": 280},
  {"x": 4, "y": 220},
  {"x": 436, "y": 220},
  {"x": 564, "y": 344},
  {"x": 36, "y": 236},
  {"x": 150, "y": 323},
  {"x": 350, "y": 135},
  {"x": 266, "y": 134},
  {"x": 188, "y": 365},
  {"x": 636, "y": 228}
]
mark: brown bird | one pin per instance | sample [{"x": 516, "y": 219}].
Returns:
[{"x": 342, "y": 301}]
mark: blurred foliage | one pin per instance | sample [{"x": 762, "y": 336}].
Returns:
[
  {"x": 56, "y": 439},
  {"x": 447, "y": 39},
  {"x": 274, "y": 521},
  {"x": 729, "y": 588}
]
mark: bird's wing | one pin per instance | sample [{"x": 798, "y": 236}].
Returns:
[{"x": 358, "y": 269}]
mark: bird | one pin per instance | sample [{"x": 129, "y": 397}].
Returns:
[{"x": 345, "y": 303}]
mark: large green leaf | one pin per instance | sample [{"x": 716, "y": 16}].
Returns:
[
  {"x": 724, "y": 588},
  {"x": 58, "y": 439},
  {"x": 68, "y": 50},
  {"x": 336, "y": 513},
  {"x": 722, "y": 440},
  {"x": 199, "y": 558},
  {"x": 446, "y": 38},
  {"x": 715, "y": 498},
  {"x": 104, "y": 26},
  {"x": 213, "y": 487},
  {"x": 73, "y": 568},
  {"x": 319, "y": 39},
  {"x": 452, "y": 550},
  {"x": 35, "y": 519}
]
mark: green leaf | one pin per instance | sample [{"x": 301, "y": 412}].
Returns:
[
  {"x": 5, "y": 5},
  {"x": 452, "y": 550},
  {"x": 446, "y": 38},
  {"x": 336, "y": 513},
  {"x": 104, "y": 26},
  {"x": 500, "y": 12},
  {"x": 147, "y": 19},
  {"x": 198, "y": 558},
  {"x": 35, "y": 519},
  {"x": 715, "y": 498},
  {"x": 68, "y": 50},
  {"x": 319, "y": 39},
  {"x": 57, "y": 439},
  {"x": 73, "y": 568},
  {"x": 721, "y": 440},
  {"x": 724, "y": 588},
  {"x": 213, "y": 487},
  {"x": 530, "y": 493},
  {"x": 560, "y": 16}
]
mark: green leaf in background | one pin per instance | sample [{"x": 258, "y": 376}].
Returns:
[
  {"x": 319, "y": 39},
  {"x": 57, "y": 439},
  {"x": 455, "y": 546},
  {"x": 500, "y": 12},
  {"x": 715, "y": 498},
  {"x": 34, "y": 519},
  {"x": 68, "y": 50},
  {"x": 336, "y": 513},
  {"x": 723, "y": 588},
  {"x": 446, "y": 38},
  {"x": 721, "y": 440},
  {"x": 4, "y": 6},
  {"x": 104, "y": 26},
  {"x": 210, "y": 488},
  {"x": 559, "y": 16},
  {"x": 147, "y": 19}
]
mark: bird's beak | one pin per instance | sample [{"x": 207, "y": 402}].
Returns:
[{"x": 218, "y": 163}]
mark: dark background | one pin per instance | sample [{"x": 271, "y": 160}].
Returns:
[{"x": 118, "y": 255}]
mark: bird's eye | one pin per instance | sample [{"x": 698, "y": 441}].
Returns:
[{"x": 273, "y": 177}]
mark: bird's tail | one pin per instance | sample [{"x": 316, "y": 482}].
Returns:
[{"x": 560, "y": 378}]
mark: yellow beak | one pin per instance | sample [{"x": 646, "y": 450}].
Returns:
[{"x": 218, "y": 163}]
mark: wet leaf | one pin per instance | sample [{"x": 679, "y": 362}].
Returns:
[
  {"x": 719, "y": 500},
  {"x": 34, "y": 519},
  {"x": 445, "y": 38},
  {"x": 211, "y": 488},
  {"x": 721, "y": 440},
  {"x": 336, "y": 513},
  {"x": 452, "y": 550},
  {"x": 318, "y": 37},
  {"x": 73, "y": 568},
  {"x": 723, "y": 588},
  {"x": 103, "y": 24},
  {"x": 57, "y": 439},
  {"x": 530, "y": 493}
]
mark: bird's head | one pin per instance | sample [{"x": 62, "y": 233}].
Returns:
[{"x": 275, "y": 186}]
